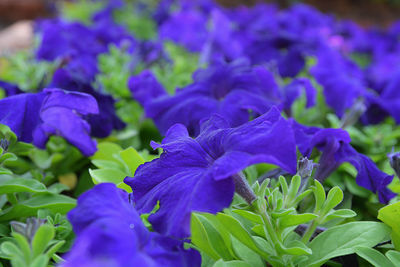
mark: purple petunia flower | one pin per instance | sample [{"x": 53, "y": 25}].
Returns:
[
  {"x": 198, "y": 174},
  {"x": 110, "y": 233},
  {"x": 106, "y": 120},
  {"x": 341, "y": 79},
  {"x": 236, "y": 91},
  {"x": 336, "y": 149},
  {"x": 34, "y": 117},
  {"x": 183, "y": 33}
]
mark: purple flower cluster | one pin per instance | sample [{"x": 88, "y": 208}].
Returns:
[{"x": 230, "y": 117}]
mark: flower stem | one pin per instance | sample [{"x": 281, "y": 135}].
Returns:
[
  {"x": 309, "y": 232},
  {"x": 243, "y": 188}
]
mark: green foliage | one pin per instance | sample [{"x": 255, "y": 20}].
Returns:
[
  {"x": 390, "y": 215},
  {"x": 343, "y": 239},
  {"x": 81, "y": 10},
  {"x": 32, "y": 244},
  {"x": 179, "y": 74},
  {"x": 137, "y": 22},
  {"x": 28, "y": 73},
  {"x": 115, "y": 68},
  {"x": 377, "y": 259},
  {"x": 267, "y": 232},
  {"x": 114, "y": 164}
]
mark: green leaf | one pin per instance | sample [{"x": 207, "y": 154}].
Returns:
[
  {"x": 8, "y": 157},
  {"x": 393, "y": 256},
  {"x": 294, "y": 186},
  {"x": 319, "y": 194},
  {"x": 296, "y": 248},
  {"x": 249, "y": 215},
  {"x": 41, "y": 240},
  {"x": 246, "y": 254},
  {"x": 222, "y": 263},
  {"x": 282, "y": 213},
  {"x": 41, "y": 158},
  {"x": 58, "y": 188},
  {"x": 225, "y": 235},
  {"x": 335, "y": 196},
  {"x": 107, "y": 164},
  {"x": 132, "y": 158},
  {"x": 21, "y": 185},
  {"x": 106, "y": 150},
  {"x": 373, "y": 256},
  {"x": 390, "y": 215},
  {"x": 53, "y": 249},
  {"x": 238, "y": 231},
  {"x": 23, "y": 246},
  {"x": 342, "y": 213},
  {"x": 40, "y": 261},
  {"x": 53, "y": 202},
  {"x": 107, "y": 176},
  {"x": 11, "y": 250},
  {"x": 200, "y": 237},
  {"x": 284, "y": 185},
  {"x": 341, "y": 240},
  {"x": 296, "y": 219}
]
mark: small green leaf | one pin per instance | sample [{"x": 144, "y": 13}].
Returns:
[
  {"x": 216, "y": 240},
  {"x": 21, "y": 185},
  {"x": 54, "y": 248},
  {"x": 342, "y": 213},
  {"x": 132, "y": 158},
  {"x": 319, "y": 194},
  {"x": 249, "y": 215},
  {"x": 41, "y": 158},
  {"x": 40, "y": 261},
  {"x": 246, "y": 254},
  {"x": 296, "y": 248},
  {"x": 237, "y": 230},
  {"x": 341, "y": 240},
  {"x": 41, "y": 240},
  {"x": 335, "y": 196},
  {"x": 296, "y": 219},
  {"x": 390, "y": 215},
  {"x": 11, "y": 250},
  {"x": 282, "y": 213},
  {"x": 107, "y": 176},
  {"x": 373, "y": 256},
  {"x": 58, "y": 188},
  {"x": 300, "y": 197},
  {"x": 107, "y": 164},
  {"x": 200, "y": 237},
  {"x": 284, "y": 185},
  {"x": 53, "y": 202},
  {"x": 294, "y": 186},
  {"x": 8, "y": 157},
  {"x": 23, "y": 245},
  {"x": 225, "y": 235},
  {"x": 106, "y": 150}
]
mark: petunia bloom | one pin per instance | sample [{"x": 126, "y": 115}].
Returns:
[
  {"x": 336, "y": 149},
  {"x": 106, "y": 119},
  {"x": 198, "y": 174},
  {"x": 34, "y": 117},
  {"x": 110, "y": 233},
  {"x": 236, "y": 91}
]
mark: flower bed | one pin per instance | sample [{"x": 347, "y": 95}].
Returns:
[{"x": 183, "y": 133}]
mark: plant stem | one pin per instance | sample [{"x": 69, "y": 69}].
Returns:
[
  {"x": 243, "y": 188},
  {"x": 310, "y": 231}
]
